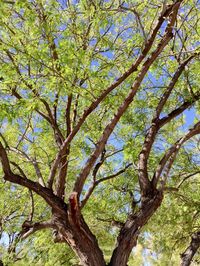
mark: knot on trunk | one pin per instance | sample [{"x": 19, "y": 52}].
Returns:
[{"x": 151, "y": 195}]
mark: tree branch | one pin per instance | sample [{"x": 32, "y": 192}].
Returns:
[
  {"x": 163, "y": 121},
  {"x": 49, "y": 118},
  {"x": 144, "y": 182},
  {"x": 126, "y": 74},
  {"x": 29, "y": 228},
  {"x": 189, "y": 253},
  {"x": 97, "y": 182},
  {"x": 133, "y": 10},
  {"x": 33, "y": 161},
  {"x": 68, "y": 120},
  {"x": 187, "y": 177},
  {"x": 63, "y": 166},
  {"x": 157, "y": 123},
  {"x": 55, "y": 202},
  {"x": 169, "y": 157}
]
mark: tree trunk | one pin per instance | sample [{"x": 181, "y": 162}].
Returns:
[
  {"x": 191, "y": 250},
  {"x": 129, "y": 233},
  {"x": 78, "y": 236}
]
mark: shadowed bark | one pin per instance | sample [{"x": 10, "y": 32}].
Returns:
[{"x": 187, "y": 256}]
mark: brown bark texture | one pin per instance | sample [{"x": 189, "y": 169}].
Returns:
[{"x": 187, "y": 256}]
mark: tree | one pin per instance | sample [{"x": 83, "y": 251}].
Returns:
[{"x": 94, "y": 116}]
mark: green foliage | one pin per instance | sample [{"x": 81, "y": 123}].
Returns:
[{"x": 49, "y": 52}]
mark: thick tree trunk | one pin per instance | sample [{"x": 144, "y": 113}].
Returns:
[
  {"x": 129, "y": 233},
  {"x": 191, "y": 250},
  {"x": 79, "y": 237}
]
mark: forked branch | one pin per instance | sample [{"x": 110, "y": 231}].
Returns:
[
  {"x": 144, "y": 181},
  {"x": 97, "y": 182},
  {"x": 53, "y": 201},
  {"x": 170, "y": 155},
  {"x": 114, "y": 85},
  {"x": 30, "y": 228},
  {"x": 157, "y": 123}
]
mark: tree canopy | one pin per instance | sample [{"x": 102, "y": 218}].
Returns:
[{"x": 99, "y": 138}]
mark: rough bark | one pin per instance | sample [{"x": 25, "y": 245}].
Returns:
[
  {"x": 73, "y": 229},
  {"x": 191, "y": 250},
  {"x": 83, "y": 243},
  {"x": 128, "y": 236}
]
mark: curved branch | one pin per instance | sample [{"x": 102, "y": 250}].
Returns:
[
  {"x": 163, "y": 121},
  {"x": 31, "y": 160},
  {"x": 49, "y": 118},
  {"x": 170, "y": 155},
  {"x": 54, "y": 201},
  {"x": 158, "y": 123},
  {"x": 29, "y": 228},
  {"x": 187, "y": 177}
]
